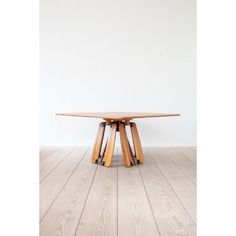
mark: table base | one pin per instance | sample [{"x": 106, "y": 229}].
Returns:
[{"x": 130, "y": 157}]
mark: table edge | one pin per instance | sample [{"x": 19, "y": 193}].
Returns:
[{"x": 119, "y": 118}]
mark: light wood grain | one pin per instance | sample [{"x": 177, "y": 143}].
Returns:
[
  {"x": 50, "y": 164},
  {"x": 131, "y": 150},
  {"x": 110, "y": 145},
  {"x": 54, "y": 183},
  {"x": 104, "y": 150},
  {"x": 117, "y": 115},
  {"x": 125, "y": 146},
  {"x": 137, "y": 143},
  {"x": 90, "y": 199},
  {"x": 184, "y": 188},
  {"x": 169, "y": 213},
  {"x": 100, "y": 213},
  {"x": 188, "y": 152},
  {"x": 45, "y": 152},
  {"x": 134, "y": 212},
  {"x": 186, "y": 165},
  {"x": 98, "y": 143},
  {"x": 63, "y": 217}
]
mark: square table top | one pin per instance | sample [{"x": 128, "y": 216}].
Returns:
[{"x": 117, "y": 115}]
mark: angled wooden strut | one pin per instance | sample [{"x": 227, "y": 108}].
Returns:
[
  {"x": 107, "y": 159},
  {"x": 98, "y": 143},
  {"x": 133, "y": 156},
  {"x": 104, "y": 157},
  {"x": 126, "y": 151},
  {"x": 137, "y": 144},
  {"x": 103, "y": 151}
]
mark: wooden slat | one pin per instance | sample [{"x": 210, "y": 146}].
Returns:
[
  {"x": 134, "y": 212},
  {"x": 63, "y": 216},
  {"x": 110, "y": 146},
  {"x": 125, "y": 146},
  {"x": 53, "y": 184},
  {"x": 98, "y": 142},
  {"x": 184, "y": 188},
  {"x": 131, "y": 151},
  {"x": 136, "y": 142},
  {"x": 104, "y": 150},
  {"x": 170, "y": 215},
  {"x": 51, "y": 163},
  {"x": 182, "y": 162},
  {"x": 100, "y": 214}
]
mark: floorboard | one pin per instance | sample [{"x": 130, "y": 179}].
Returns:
[
  {"x": 55, "y": 181},
  {"x": 135, "y": 216},
  {"x": 63, "y": 217},
  {"x": 169, "y": 213},
  {"x": 185, "y": 164},
  {"x": 179, "y": 181},
  {"x": 45, "y": 152},
  {"x": 78, "y": 198},
  {"x": 188, "y": 152},
  {"x": 100, "y": 214},
  {"x": 51, "y": 163}
]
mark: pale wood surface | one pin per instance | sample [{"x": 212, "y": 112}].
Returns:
[
  {"x": 98, "y": 142},
  {"x": 51, "y": 186},
  {"x": 183, "y": 163},
  {"x": 156, "y": 198},
  {"x": 137, "y": 143},
  {"x": 190, "y": 153},
  {"x": 45, "y": 152},
  {"x": 169, "y": 213},
  {"x": 51, "y": 163},
  {"x": 110, "y": 145},
  {"x": 183, "y": 187},
  {"x": 100, "y": 212},
  {"x": 135, "y": 217},
  {"x": 117, "y": 115},
  {"x": 125, "y": 146},
  {"x": 63, "y": 216}
]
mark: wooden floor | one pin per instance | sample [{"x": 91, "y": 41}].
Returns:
[{"x": 81, "y": 199}]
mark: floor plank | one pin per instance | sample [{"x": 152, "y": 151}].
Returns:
[
  {"x": 51, "y": 163},
  {"x": 180, "y": 183},
  {"x": 63, "y": 217},
  {"x": 100, "y": 214},
  {"x": 185, "y": 164},
  {"x": 45, "y": 152},
  {"x": 188, "y": 152},
  {"x": 193, "y": 149},
  {"x": 170, "y": 215},
  {"x": 55, "y": 181},
  {"x": 135, "y": 216},
  {"x": 80, "y": 198}
]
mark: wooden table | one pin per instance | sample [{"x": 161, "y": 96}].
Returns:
[{"x": 118, "y": 121}]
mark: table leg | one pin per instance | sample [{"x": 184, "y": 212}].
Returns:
[
  {"x": 137, "y": 143},
  {"x": 98, "y": 142},
  {"x": 110, "y": 145},
  {"x": 125, "y": 146},
  {"x": 103, "y": 152},
  {"x": 132, "y": 153}
]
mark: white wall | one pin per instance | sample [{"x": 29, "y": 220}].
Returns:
[{"x": 121, "y": 55}]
